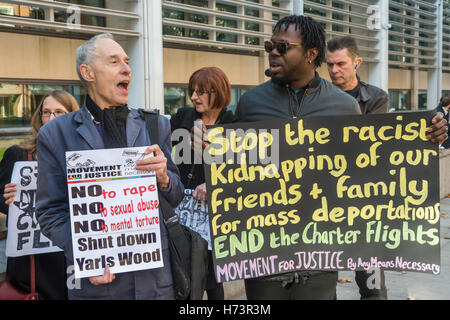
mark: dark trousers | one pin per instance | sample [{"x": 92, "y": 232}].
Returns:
[
  {"x": 363, "y": 277},
  {"x": 321, "y": 286},
  {"x": 214, "y": 290},
  {"x": 316, "y": 286}
]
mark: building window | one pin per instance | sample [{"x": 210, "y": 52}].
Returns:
[
  {"x": 90, "y": 3},
  {"x": 185, "y": 32},
  {"x": 399, "y": 100},
  {"x": 179, "y": 15},
  {"x": 226, "y": 37},
  {"x": 175, "y": 97},
  {"x": 197, "y": 3},
  {"x": 90, "y": 20},
  {"x": 234, "y": 25},
  {"x": 228, "y": 23},
  {"x": 59, "y": 15},
  {"x": 19, "y": 101},
  {"x": 22, "y": 11},
  {"x": 423, "y": 96},
  {"x": 252, "y": 41},
  {"x": 226, "y": 7},
  {"x": 13, "y": 110}
]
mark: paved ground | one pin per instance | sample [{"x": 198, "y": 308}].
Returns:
[
  {"x": 404, "y": 285},
  {"x": 416, "y": 285},
  {"x": 401, "y": 285}
]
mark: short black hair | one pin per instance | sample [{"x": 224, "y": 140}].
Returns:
[
  {"x": 311, "y": 32},
  {"x": 344, "y": 42},
  {"x": 445, "y": 101}
]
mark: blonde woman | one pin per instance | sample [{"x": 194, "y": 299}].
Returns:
[{"x": 50, "y": 267}]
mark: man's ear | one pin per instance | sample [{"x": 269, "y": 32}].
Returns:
[
  {"x": 358, "y": 62},
  {"x": 312, "y": 54},
  {"x": 87, "y": 73}
]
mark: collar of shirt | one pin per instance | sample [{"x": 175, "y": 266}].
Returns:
[{"x": 355, "y": 91}]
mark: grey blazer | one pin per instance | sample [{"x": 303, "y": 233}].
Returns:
[{"x": 76, "y": 131}]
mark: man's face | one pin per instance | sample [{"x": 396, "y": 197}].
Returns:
[
  {"x": 341, "y": 67},
  {"x": 292, "y": 65},
  {"x": 112, "y": 74}
]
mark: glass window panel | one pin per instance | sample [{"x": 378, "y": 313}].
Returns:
[
  {"x": 19, "y": 101},
  {"x": 235, "y": 95},
  {"x": 179, "y": 15},
  {"x": 185, "y": 32},
  {"x": 226, "y": 37},
  {"x": 22, "y": 11},
  {"x": 176, "y": 97},
  {"x": 251, "y": 12},
  {"x": 252, "y": 40},
  {"x": 14, "y": 111},
  {"x": 423, "y": 95},
  {"x": 226, "y": 23},
  {"x": 315, "y": 11},
  {"x": 85, "y": 19},
  {"x": 252, "y": 26},
  {"x": 226, "y": 8},
  {"x": 90, "y": 20},
  {"x": 91, "y": 3},
  {"x": 338, "y": 28},
  {"x": 8, "y": 9},
  {"x": 400, "y": 100},
  {"x": 197, "y": 3}
]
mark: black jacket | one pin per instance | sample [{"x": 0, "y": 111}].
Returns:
[
  {"x": 193, "y": 175},
  {"x": 272, "y": 101},
  {"x": 321, "y": 98},
  {"x": 372, "y": 99},
  {"x": 11, "y": 155}
]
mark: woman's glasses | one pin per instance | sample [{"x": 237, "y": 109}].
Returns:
[
  {"x": 47, "y": 114},
  {"x": 201, "y": 92}
]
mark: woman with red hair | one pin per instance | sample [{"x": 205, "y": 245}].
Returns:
[{"x": 210, "y": 93}]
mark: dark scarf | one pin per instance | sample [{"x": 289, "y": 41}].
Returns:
[{"x": 113, "y": 123}]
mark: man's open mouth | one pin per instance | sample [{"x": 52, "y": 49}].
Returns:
[
  {"x": 275, "y": 67},
  {"x": 124, "y": 85}
]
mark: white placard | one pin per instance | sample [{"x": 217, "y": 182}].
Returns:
[
  {"x": 114, "y": 212},
  {"x": 24, "y": 234}
]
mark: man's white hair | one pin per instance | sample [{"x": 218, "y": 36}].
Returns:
[{"x": 88, "y": 50}]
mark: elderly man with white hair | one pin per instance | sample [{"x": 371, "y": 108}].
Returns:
[{"x": 104, "y": 121}]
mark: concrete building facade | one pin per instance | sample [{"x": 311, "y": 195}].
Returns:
[{"x": 404, "y": 46}]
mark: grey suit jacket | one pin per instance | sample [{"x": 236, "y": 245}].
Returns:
[{"x": 76, "y": 131}]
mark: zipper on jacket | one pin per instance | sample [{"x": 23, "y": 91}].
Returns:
[
  {"x": 296, "y": 113},
  {"x": 301, "y": 103},
  {"x": 291, "y": 109}
]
